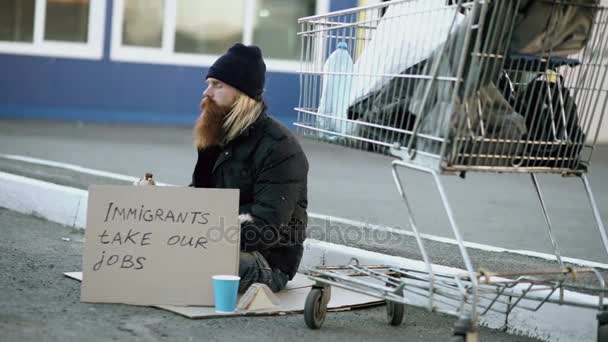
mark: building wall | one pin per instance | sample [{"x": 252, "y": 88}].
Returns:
[
  {"x": 56, "y": 88},
  {"x": 112, "y": 91},
  {"x": 127, "y": 92}
]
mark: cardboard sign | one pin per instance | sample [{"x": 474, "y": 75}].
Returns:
[{"x": 152, "y": 245}]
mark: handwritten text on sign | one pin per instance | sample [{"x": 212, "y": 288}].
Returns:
[
  {"x": 158, "y": 245},
  {"x": 138, "y": 238}
]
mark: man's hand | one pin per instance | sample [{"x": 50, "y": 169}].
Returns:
[
  {"x": 208, "y": 129},
  {"x": 145, "y": 180}
]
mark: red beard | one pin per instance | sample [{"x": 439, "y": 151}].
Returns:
[{"x": 208, "y": 129}]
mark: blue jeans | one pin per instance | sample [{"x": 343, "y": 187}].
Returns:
[{"x": 253, "y": 268}]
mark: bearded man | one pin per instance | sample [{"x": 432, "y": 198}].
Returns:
[{"x": 240, "y": 146}]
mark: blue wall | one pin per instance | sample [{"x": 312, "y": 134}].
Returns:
[
  {"x": 337, "y": 5},
  {"x": 36, "y": 87},
  {"x": 103, "y": 90}
]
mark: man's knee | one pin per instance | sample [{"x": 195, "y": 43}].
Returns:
[
  {"x": 247, "y": 262},
  {"x": 248, "y": 270},
  {"x": 246, "y": 259}
]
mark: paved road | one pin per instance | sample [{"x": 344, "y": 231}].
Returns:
[
  {"x": 38, "y": 303},
  {"x": 331, "y": 231},
  {"x": 495, "y": 209}
]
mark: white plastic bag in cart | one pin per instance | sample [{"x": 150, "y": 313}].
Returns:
[
  {"x": 407, "y": 34},
  {"x": 337, "y": 79}
]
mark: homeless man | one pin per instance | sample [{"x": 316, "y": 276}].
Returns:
[{"x": 240, "y": 146}]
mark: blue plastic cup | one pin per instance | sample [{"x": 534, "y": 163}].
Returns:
[{"x": 225, "y": 291}]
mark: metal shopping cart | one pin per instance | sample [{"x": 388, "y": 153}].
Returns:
[{"x": 449, "y": 87}]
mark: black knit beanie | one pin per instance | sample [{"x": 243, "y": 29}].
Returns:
[{"x": 243, "y": 68}]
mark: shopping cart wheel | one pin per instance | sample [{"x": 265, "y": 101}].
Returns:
[
  {"x": 315, "y": 307},
  {"x": 394, "y": 313},
  {"x": 602, "y": 326}
]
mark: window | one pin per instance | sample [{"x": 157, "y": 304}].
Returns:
[
  {"x": 143, "y": 23},
  {"x": 195, "y": 32},
  {"x": 67, "y": 20},
  {"x": 199, "y": 28},
  {"x": 56, "y": 28},
  {"x": 17, "y": 20},
  {"x": 276, "y": 26}
]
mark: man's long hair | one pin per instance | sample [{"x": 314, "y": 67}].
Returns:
[{"x": 244, "y": 112}]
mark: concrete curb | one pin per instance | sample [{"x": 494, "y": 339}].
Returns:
[
  {"x": 56, "y": 203},
  {"x": 68, "y": 206}
]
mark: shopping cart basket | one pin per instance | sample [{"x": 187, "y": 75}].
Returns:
[{"x": 449, "y": 87}]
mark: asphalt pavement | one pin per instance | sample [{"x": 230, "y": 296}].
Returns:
[{"x": 37, "y": 303}]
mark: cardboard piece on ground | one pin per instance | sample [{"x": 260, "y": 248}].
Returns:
[
  {"x": 299, "y": 281},
  {"x": 155, "y": 244},
  {"x": 291, "y": 300},
  {"x": 258, "y": 297}
]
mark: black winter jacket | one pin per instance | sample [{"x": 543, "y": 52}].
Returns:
[{"x": 267, "y": 164}]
